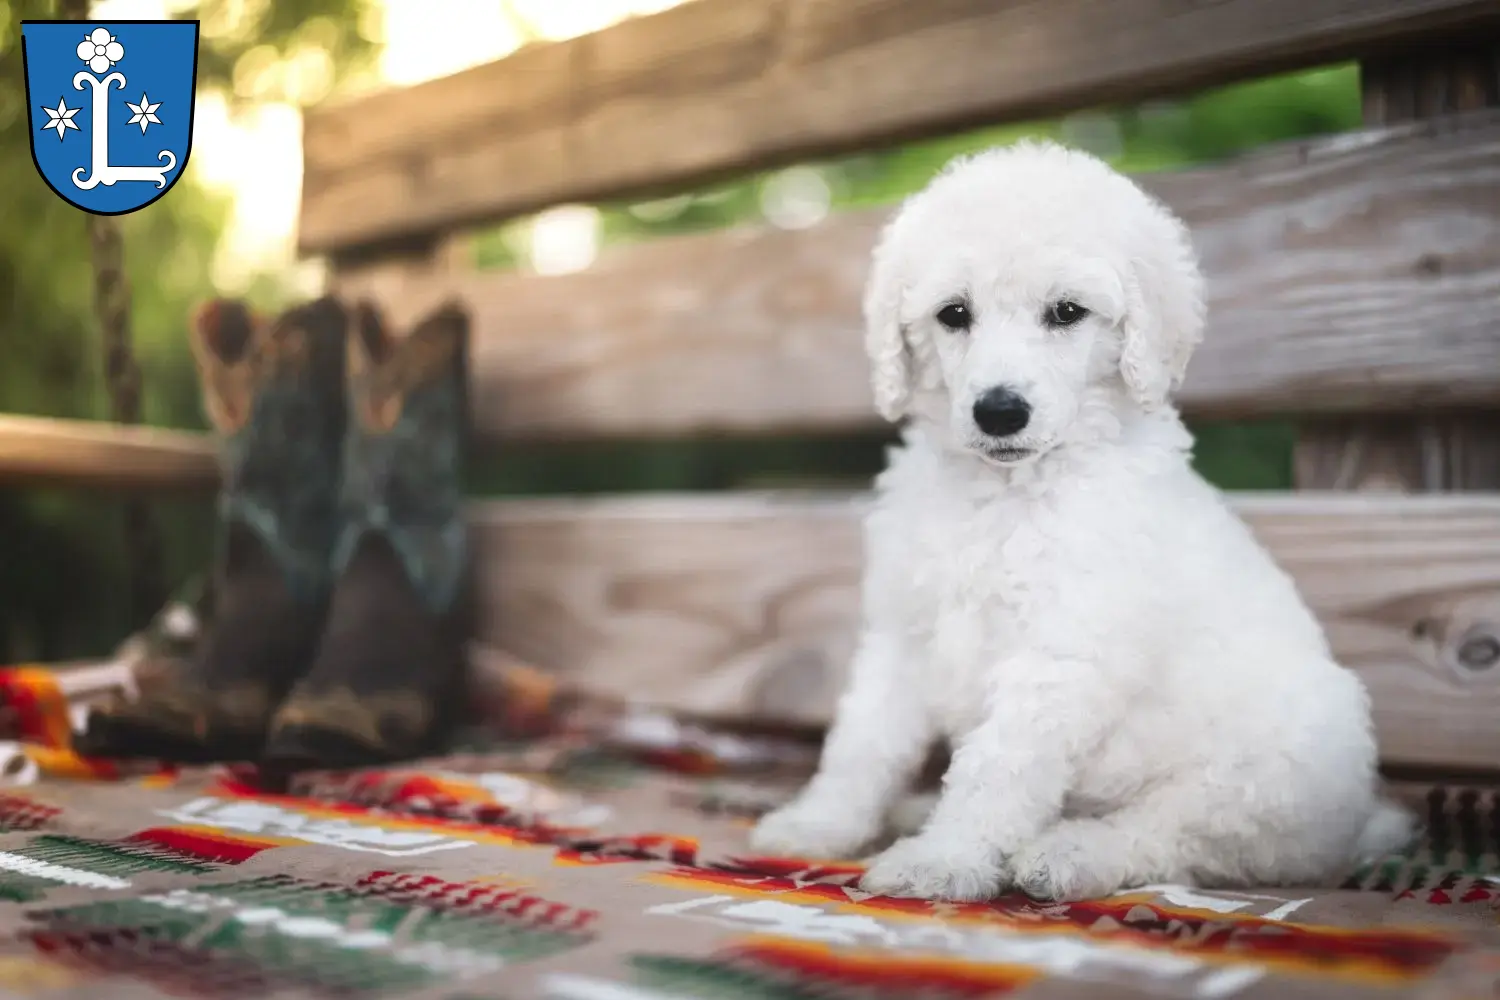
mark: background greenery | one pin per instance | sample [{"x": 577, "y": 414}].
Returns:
[{"x": 62, "y": 572}]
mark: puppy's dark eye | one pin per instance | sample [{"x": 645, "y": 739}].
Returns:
[
  {"x": 1065, "y": 313},
  {"x": 956, "y": 316}
]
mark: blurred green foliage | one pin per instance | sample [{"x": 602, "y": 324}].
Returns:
[{"x": 61, "y": 571}]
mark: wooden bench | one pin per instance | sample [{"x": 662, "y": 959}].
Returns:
[{"x": 1354, "y": 284}]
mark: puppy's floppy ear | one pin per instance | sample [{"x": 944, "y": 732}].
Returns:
[
  {"x": 885, "y": 340},
  {"x": 1164, "y": 311}
]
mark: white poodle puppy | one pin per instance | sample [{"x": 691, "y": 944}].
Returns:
[{"x": 1134, "y": 692}]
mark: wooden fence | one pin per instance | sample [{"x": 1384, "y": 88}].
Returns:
[{"x": 1354, "y": 283}]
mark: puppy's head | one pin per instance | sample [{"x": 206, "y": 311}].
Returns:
[{"x": 1025, "y": 297}]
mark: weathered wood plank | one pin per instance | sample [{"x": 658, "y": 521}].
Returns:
[
  {"x": 1423, "y": 451},
  {"x": 720, "y": 86},
  {"x": 1360, "y": 272},
  {"x": 39, "y": 450},
  {"x": 745, "y": 604}
]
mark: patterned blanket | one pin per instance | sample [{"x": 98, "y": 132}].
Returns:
[{"x": 607, "y": 861}]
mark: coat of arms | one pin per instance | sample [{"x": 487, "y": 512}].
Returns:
[{"x": 111, "y": 108}]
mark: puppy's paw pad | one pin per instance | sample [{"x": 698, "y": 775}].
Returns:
[
  {"x": 809, "y": 831},
  {"x": 917, "y": 867},
  {"x": 1055, "y": 869}
]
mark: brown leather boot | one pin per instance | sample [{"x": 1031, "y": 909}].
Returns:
[
  {"x": 274, "y": 392},
  {"x": 390, "y": 676}
]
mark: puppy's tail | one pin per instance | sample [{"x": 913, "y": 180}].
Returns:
[{"x": 1389, "y": 828}]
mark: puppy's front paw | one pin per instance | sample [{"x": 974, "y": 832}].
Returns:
[
  {"x": 927, "y": 867},
  {"x": 1057, "y": 868},
  {"x": 810, "y": 829}
]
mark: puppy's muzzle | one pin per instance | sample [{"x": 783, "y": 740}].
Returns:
[{"x": 1001, "y": 412}]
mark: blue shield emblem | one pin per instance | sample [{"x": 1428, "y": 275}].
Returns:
[{"x": 111, "y": 108}]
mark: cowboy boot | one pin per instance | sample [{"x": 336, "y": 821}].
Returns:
[
  {"x": 389, "y": 679},
  {"x": 274, "y": 394}
]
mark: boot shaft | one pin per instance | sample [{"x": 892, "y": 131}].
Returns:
[
  {"x": 404, "y": 449},
  {"x": 274, "y": 392}
]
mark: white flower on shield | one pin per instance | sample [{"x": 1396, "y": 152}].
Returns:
[
  {"x": 100, "y": 50},
  {"x": 145, "y": 112},
  {"x": 61, "y": 118}
]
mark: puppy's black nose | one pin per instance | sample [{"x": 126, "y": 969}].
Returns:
[{"x": 1001, "y": 413}]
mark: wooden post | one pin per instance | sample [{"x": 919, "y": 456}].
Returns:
[{"x": 1427, "y": 452}]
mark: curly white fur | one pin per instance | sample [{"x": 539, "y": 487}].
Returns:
[{"x": 1134, "y": 692}]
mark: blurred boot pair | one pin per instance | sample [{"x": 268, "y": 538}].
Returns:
[{"x": 338, "y": 627}]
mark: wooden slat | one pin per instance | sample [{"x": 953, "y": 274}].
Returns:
[
  {"x": 1360, "y": 272},
  {"x": 1422, "y": 451},
  {"x": 39, "y": 450},
  {"x": 739, "y": 604},
  {"x": 718, "y": 86}
]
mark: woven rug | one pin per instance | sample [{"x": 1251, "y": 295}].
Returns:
[{"x": 605, "y": 860}]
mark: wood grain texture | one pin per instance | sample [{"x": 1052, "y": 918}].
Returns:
[
  {"x": 742, "y": 605},
  {"x": 720, "y": 86},
  {"x": 44, "y": 451},
  {"x": 1424, "y": 451},
  {"x": 1360, "y": 272}
]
